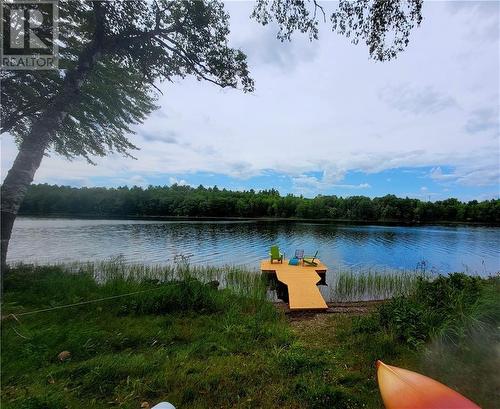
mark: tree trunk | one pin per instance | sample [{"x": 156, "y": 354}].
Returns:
[
  {"x": 36, "y": 142},
  {"x": 16, "y": 184},
  {"x": 29, "y": 158}
]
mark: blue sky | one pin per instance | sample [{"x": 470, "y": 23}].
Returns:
[
  {"x": 412, "y": 182},
  {"x": 325, "y": 119}
]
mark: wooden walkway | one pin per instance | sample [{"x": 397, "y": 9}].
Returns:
[{"x": 301, "y": 280}]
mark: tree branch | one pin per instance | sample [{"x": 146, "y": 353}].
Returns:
[
  {"x": 318, "y": 6},
  {"x": 190, "y": 61}
]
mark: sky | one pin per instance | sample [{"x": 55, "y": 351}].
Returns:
[{"x": 325, "y": 118}]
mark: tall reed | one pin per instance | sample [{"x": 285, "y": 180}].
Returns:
[
  {"x": 363, "y": 285},
  {"x": 238, "y": 279}
]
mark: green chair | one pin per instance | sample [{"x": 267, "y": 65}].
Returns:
[
  {"x": 275, "y": 254},
  {"x": 309, "y": 260}
]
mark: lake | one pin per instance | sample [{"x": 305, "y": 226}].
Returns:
[{"x": 443, "y": 249}]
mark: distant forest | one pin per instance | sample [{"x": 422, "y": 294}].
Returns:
[{"x": 44, "y": 199}]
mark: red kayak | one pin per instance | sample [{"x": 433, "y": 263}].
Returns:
[{"x": 403, "y": 389}]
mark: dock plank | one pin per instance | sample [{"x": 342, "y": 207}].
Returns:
[{"x": 301, "y": 280}]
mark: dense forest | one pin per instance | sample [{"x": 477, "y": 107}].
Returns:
[{"x": 178, "y": 200}]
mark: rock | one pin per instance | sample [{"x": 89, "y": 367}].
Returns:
[
  {"x": 145, "y": 405},
  {"x": 163, "y": 405},
  {"x": 64, "y": 355}
]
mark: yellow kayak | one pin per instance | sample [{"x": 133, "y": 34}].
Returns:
[{"x": 403, "y": 389}]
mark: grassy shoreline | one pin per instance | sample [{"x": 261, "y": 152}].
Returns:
[{"x": 180, "y": 339}]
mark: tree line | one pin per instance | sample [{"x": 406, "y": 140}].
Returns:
[{"x": 176, "y": 200}]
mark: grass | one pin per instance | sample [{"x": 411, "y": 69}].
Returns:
[
  {"x": 178, "y": 338},
  {"x": 362, "y": 285},
  {"x": 181, "y": 340}
]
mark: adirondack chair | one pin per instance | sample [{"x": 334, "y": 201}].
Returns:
[
  {"x": 275, "y": 254},
  {"x": 309, "y": 260}
]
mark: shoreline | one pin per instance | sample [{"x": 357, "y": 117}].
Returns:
[
  {"x": 348, "y": 308},
  {"x": 88, "y": 216}
]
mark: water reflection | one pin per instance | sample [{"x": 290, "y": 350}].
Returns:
[{"x": 443, "y": 248}]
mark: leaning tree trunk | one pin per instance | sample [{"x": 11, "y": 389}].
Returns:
[
  {"x": 43, "y": 128},
  {"x": 17, "y": 182},
  {"x": 28, "y": 160}
]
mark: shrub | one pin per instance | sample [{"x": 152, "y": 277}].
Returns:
[
  {"x": 444, "y": 305},
  {"x": 450, "y": 295},
  {"x": 188, "y": 295},
  {"x": 405, "y": 318}
]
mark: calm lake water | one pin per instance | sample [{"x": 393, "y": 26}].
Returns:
[{"x": 443, "y": 248}]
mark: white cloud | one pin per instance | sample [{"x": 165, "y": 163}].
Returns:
[
  {"x": 305, "y": 184},
  {"x": 485, "y": 119},
  {"x": 174, "y": 181},
  {"x": 317, "y": 108},
  {"x": 473, "y": 175},
  {"x": 406, "y": 98},
  {"x": 137, "y": 180}
]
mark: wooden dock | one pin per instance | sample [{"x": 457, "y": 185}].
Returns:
[{"x": 301, "y": 281}]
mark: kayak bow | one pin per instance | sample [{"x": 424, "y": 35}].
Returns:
[{"x": 403, "y": 389}]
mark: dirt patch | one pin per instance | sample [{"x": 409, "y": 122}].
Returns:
[
  {"x": 346, "y": 308},
  {"x": 355, "y": 307}
]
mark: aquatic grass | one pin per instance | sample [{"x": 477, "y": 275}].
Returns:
[
  {"x": 345, "y": 284},
  {"x": 236, "y": 278},
  {"x": 239, "y": 279},
  {"x": 365, "y": 285}
]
